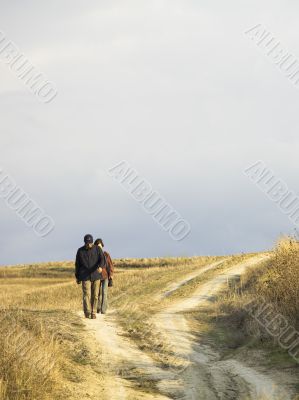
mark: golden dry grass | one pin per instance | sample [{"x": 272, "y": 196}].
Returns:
[
  {"x": 40, "y": 304},
  {"x": 29, "y": 358},
  {"x": 278, "y": 281},
  {"x": 275, "y": 283},
  {"x": 43, "y": 354}
]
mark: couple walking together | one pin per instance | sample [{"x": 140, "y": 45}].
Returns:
[{"x": 94, "y": 270}]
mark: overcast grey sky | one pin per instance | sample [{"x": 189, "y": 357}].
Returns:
[{"x": 172, "y": 86}]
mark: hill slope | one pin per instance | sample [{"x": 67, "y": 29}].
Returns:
[{"x": 165, "y": 335}]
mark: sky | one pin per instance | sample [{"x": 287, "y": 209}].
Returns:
[{"x": 173, "y": 87}]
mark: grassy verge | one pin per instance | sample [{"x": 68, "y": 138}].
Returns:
[
  {"x": 41, "y": 347},
  {"x": 238, "y": 330}
]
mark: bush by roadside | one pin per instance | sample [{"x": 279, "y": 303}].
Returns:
[{"x": 263, "y": 306}]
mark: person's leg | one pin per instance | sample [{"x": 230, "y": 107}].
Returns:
[
  {"x": 104, "y": 305},
  {"x": 95, "y": 286},
  {"x": 86, "y": 297},
  {"x": 99, "y": 299}
]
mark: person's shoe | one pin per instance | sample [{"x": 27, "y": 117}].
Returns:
[
  {"x": 93, "y": 316},
  {"x": 98, "y": 311},
  {"x": 87, "y": 316}
]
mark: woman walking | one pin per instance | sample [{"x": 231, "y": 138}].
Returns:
[{"x": 106, "y": 279}]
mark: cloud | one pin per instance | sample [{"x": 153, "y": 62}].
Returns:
[{"x": 174, "y": 88}]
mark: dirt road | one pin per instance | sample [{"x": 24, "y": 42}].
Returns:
[
  {"x": 206, "y": 377},
  {"x": 203, "y": 375}
]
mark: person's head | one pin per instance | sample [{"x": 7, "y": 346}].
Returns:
[
  {"x": 99, "y": 242},
  {"x": 88, "y": 240}
]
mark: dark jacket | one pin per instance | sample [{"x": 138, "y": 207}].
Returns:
[
  {"x": 108, "y": 270},
  {"x": 87, "y": 263}
]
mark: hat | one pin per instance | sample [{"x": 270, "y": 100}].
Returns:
[{"x": 88, "y": 239}]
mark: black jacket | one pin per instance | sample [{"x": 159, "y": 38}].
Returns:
[{"x": 87, "y": 263}]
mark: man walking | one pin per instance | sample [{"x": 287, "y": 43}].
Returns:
[
  {"x": 90, "y": 261},
  {"x": 106, "y": 279}
]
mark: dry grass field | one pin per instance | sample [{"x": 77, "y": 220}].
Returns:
[
  {"x": 40, "y": 326},
  {"x": 47, "y": 351},
  {"x": 276, "y": 283},
  {"x": 238, "y": 328}
]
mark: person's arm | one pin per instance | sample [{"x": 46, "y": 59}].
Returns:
[
  {"x": 77, "y": 266},
  {"x": 98, "y": 259},
  {"x": 102, "y": 260},
  {"x": 111, "y": 266}
]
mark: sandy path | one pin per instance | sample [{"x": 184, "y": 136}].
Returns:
[
  {"x": 176, "y": 285},
  {"x": 122, "y": 357},
  {"x": 203, "y": 375},
  {"x": 120, "y": 354},
  {"x": 206, "y": 377}
]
